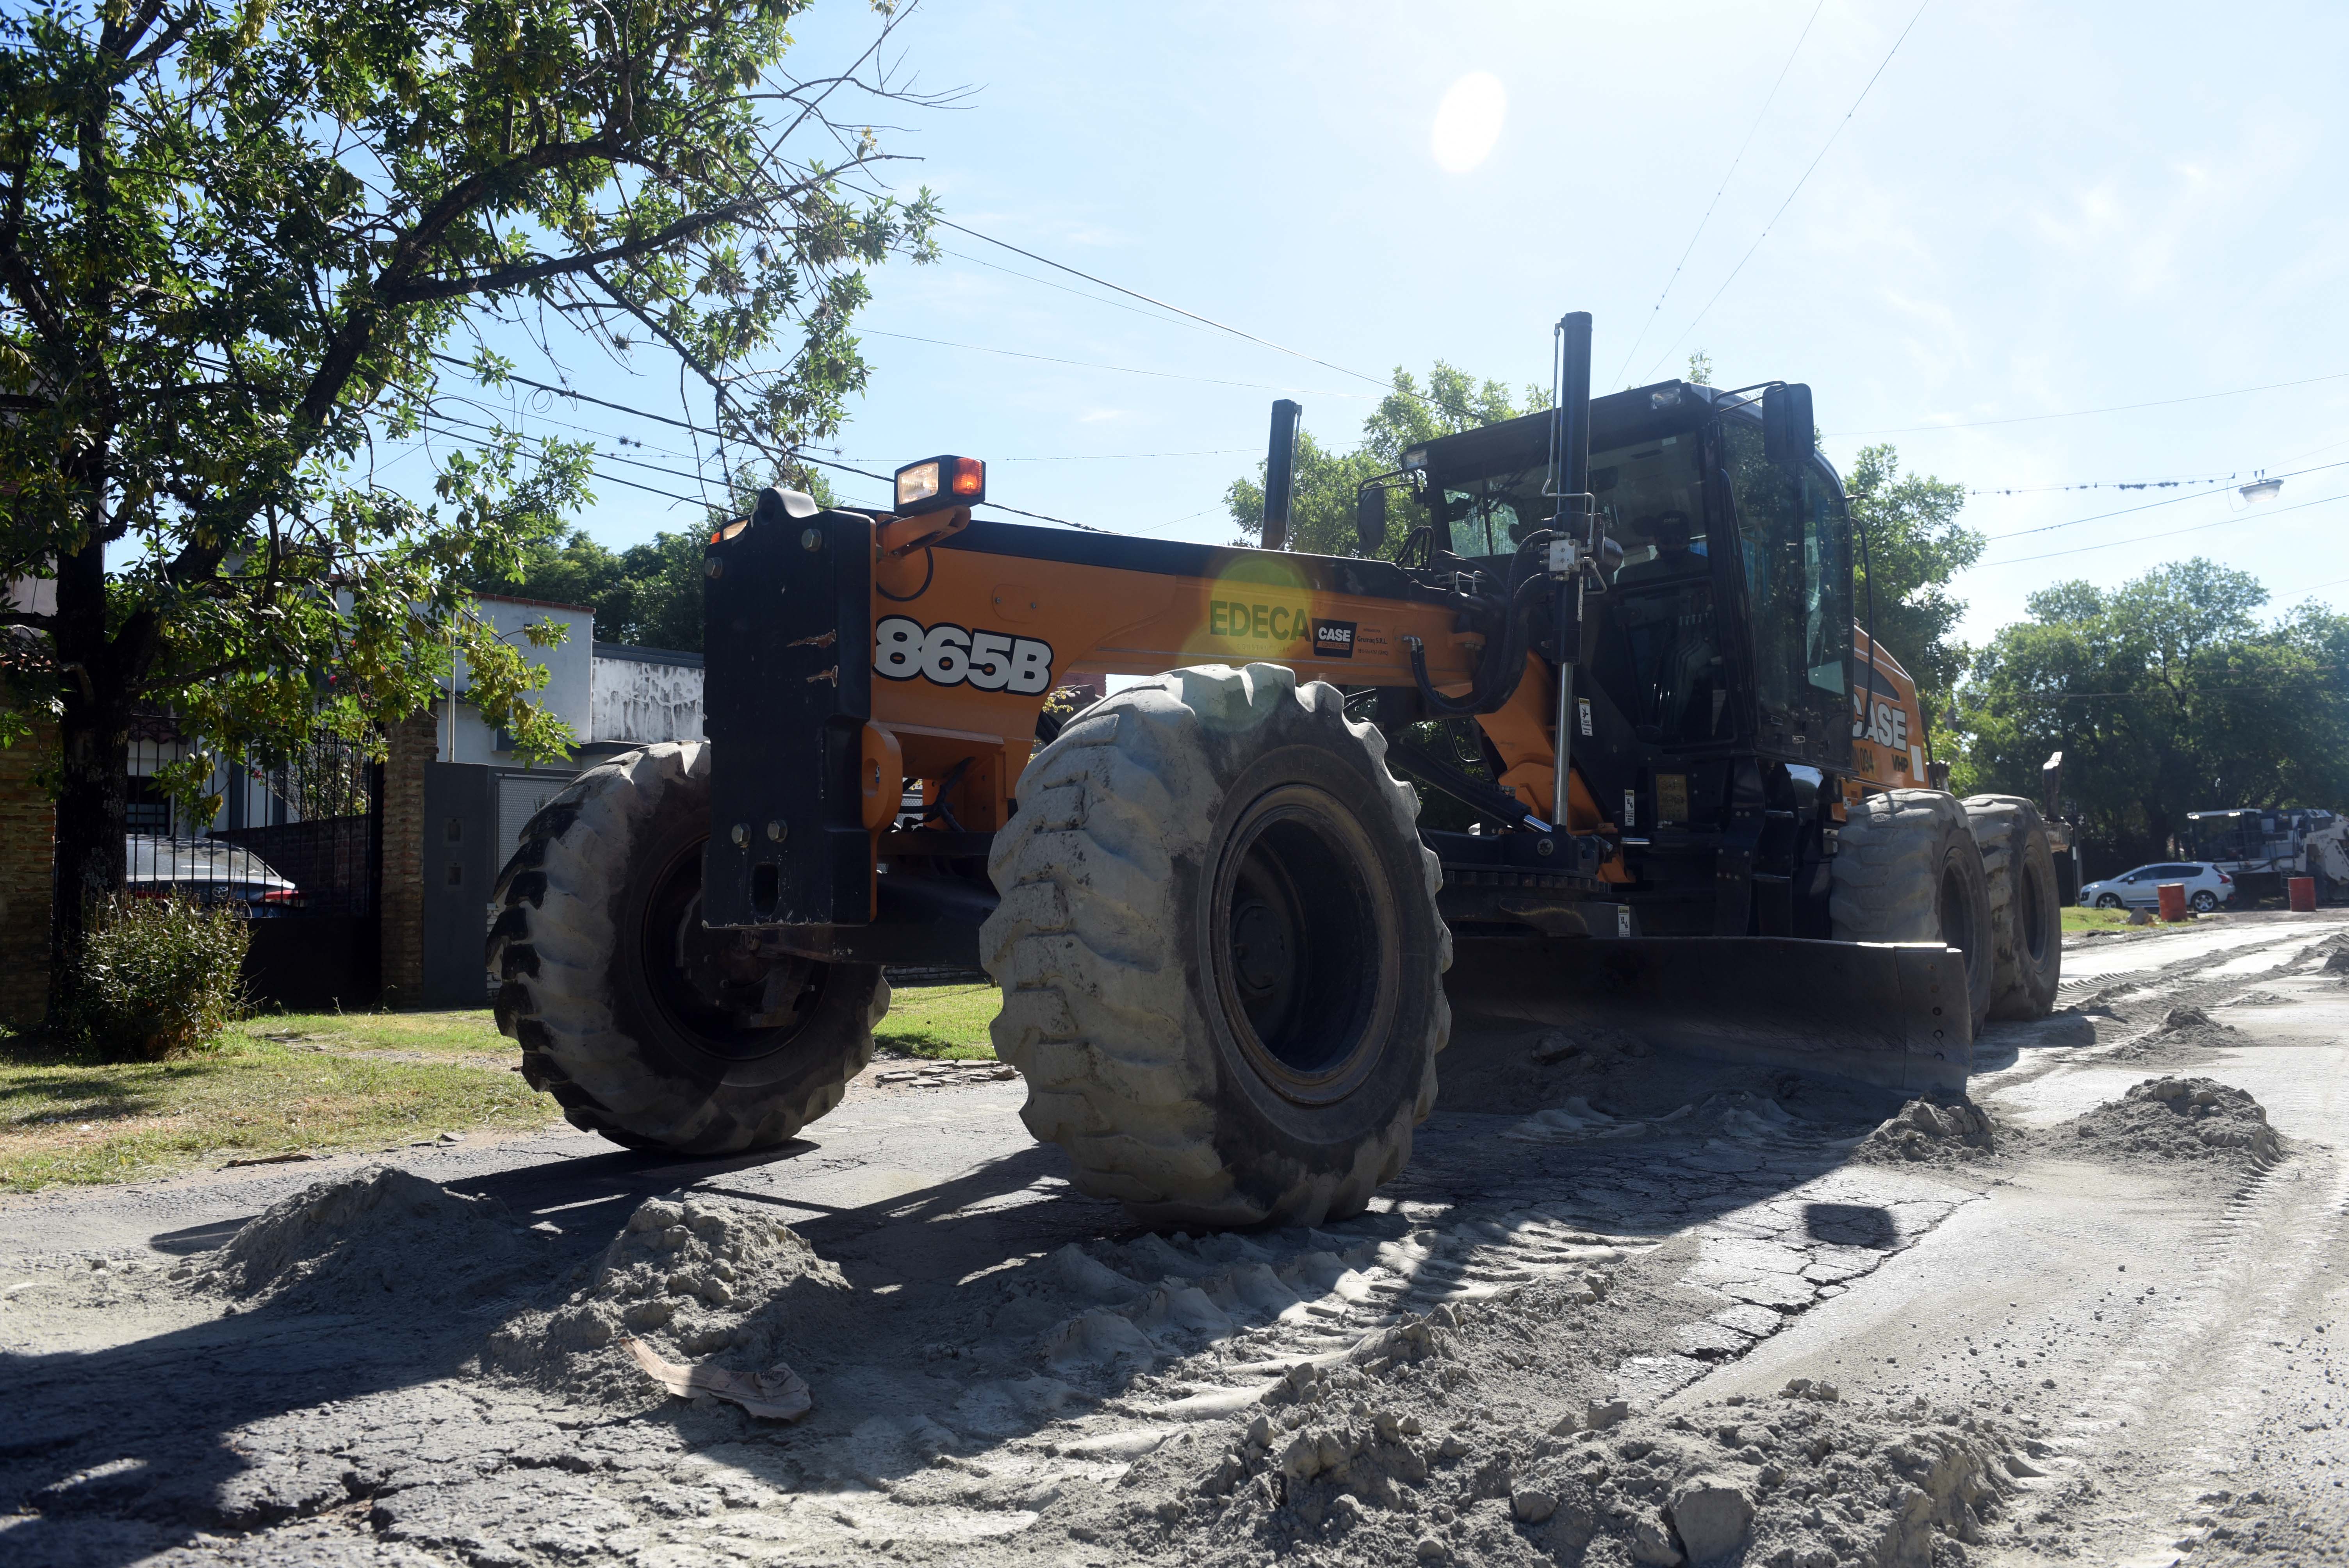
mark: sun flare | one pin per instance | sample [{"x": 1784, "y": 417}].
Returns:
[{"x": 1468, "y": 121}]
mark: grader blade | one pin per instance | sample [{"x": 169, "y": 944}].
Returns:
[{"x": 1889, "y": 1014}]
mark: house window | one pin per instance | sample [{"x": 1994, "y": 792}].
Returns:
[{"x": 150, "y": 810}]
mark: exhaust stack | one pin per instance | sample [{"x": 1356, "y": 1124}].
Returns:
[{"x": 1281, "y": 473}]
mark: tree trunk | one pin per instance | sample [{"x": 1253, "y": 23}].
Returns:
[{"x": 93, "y": 762}]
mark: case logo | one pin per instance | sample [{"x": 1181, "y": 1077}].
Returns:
[
  {"x": 1333, "y": 639},
  {"x": 949, "y": 654}
]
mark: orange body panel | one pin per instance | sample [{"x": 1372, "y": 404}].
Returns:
[
  {"x": 1887, "y": 728},
  {"x": 1116, "y": 622}
]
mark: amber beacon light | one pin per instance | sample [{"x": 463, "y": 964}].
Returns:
[{"x": 936, "y": 482}]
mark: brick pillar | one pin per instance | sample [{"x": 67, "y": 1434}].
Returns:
[
  {"x": 29, "y": 854},
  {"x": 399, "y": 897}
]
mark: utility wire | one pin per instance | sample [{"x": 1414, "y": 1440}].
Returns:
[
  {"x": 1098, "y": 364},
  {"x": 1798, "y": 185},
  {"x": 1381, "y": 381},
  {"x": 797, "y": 455},
  {"x": 2103, "y": 484},
  {"x": 1081, "y": 294},
  {"x": 2170, "y": 500},
  {"x": 2169, "y": 534},
  {"x": 2083, "y": 413},
  {"x": 1691, "y": 248}
]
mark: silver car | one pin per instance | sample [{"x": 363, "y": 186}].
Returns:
[
  {"x": 207, "y": 871},
  {"x": 2207, "y": 887}
]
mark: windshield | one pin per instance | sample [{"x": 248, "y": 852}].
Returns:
[
  {"x": 1790, "y": 524},
  {"x": 1649, "y": 495}
]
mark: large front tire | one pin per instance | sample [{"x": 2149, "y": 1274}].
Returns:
[
  {"x": 1907, "y": 870},
  {"x": 2026, "y": 906},
  {"x": 645, "y": 1025},
  {"x": 1221, "y": 961}
]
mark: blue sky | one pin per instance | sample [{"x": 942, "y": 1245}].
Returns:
[{"x": 2035, "y": 210}]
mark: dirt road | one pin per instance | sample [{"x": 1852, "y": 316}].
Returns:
[{"x": 2095, "y": 1329}]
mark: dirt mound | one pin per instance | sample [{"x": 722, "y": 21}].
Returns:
[
  {"x": 2186, "y": 1033},
  {"x": 693, "y": 1279},
  {"x": 1927, "y": 1132},
  {"x": 2176, "y": 1118},
  {"x": 367, "y": 1241},
  {"x": 2336, "y": 962},
  {"x": 1802, "y": 1479}
]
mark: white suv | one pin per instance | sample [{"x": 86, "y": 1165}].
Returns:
[{"x": 2207, "y": 887}]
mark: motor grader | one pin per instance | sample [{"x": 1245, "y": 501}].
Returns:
[{"x": 1686, "y": 793}]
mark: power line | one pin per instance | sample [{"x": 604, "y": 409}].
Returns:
[
  {"x": 1209, "y": 320},
  {"x": 1098, "y": 364},
  {"x": 2103, "y": 484},
  {"x": 2171, "y": 500},
  {"x": 2170, "y": 533},
  {"x": 1126, "y": 457},
  {"x": 797, "y": 455},
  {"x": 1798, "y": 184},
  {"x": 1047, "y": 283},
  {"x": 1162, "y": 305},
  {"x": 2083, "y": 413},
  {"x": 1690, "y": 249}
]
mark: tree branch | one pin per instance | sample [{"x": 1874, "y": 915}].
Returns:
[{"x": 566, "y": 266}]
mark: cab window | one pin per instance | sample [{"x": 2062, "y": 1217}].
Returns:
[{"x": 1794, "y": 544}]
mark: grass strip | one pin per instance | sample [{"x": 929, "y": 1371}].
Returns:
[
  {"x": 75, "y": 1122},
  {"x": 942, "y": 1023}
]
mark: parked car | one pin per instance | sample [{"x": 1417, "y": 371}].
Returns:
[
  {"x": 208, "y": 871},
  {"x": 2207, "y": 887}
]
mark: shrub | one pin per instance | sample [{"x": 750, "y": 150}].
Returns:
[{"x": 154, "y": 977}]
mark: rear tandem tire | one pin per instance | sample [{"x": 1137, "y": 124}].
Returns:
[
  {"x": 645, "y": 1027},
  {"x": 1906, "y": 870},
  {"x": 1221, "y": 960},
  {"x": 2026, "y": 913}
]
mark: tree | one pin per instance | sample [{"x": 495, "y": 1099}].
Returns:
[
  {"x": 1321, "y": 513},
  {"x": 235, "y": 241},
  {"x": 1915, "y": 546},
  {"x": 2168, "y": 694}
]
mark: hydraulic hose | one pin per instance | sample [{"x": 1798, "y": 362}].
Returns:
[{"x": 1503, "y": 664}]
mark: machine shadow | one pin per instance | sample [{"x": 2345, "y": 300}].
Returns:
[
  {"x": 93, "y": 1449},
  {"x": 141, "y": 1432}
]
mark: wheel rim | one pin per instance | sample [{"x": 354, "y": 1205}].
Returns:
[
  {"x": 1957, "y": 915},
  {"x": 1304, "y": 955},
  {"x": 2034, "y": 916},
  {"x": 2107, "y": 901},
  {"x": 714, "y": 991},
  {"x": 2204, "y": 902}
]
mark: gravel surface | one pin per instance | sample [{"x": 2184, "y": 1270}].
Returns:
[{"x": 1619, "y": 1310}]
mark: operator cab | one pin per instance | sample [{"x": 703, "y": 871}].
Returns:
[
  {"x": 1735, "y": 579},
  {"x": 1713, "y": 712}
]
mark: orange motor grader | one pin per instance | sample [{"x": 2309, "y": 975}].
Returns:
[{"x": 1675, "y": 787}]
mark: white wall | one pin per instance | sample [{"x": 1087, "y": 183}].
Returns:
[
  {"x": 466, "y": 738},
  {"x": 644, "y": 694}
]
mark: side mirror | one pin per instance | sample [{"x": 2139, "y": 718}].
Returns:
[
  {"x": 1788, "y": 435},
  {"x": 1371, "y": 517}
]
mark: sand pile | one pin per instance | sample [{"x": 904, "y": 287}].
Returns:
[
  {"x": 376, "y": 1238},
  {"x": 695, "y": 1279},
  {"x": 2176, "y": 1118},
  {"x": 1801, "y": 1480},
  {"x": 2186, "y": 1032},
  {"x": 1928, "y": 1132}
]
